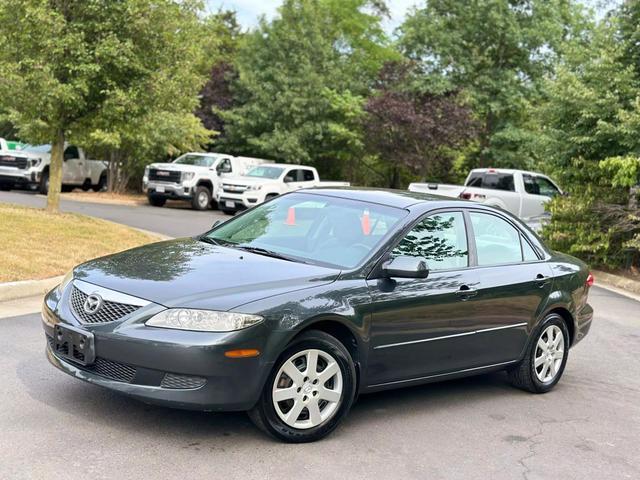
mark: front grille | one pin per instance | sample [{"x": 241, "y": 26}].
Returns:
[
  {"x": 11, "y": 161},
  {"x": 232, "y": 188},
  {"x": 178, "y": 382},
  {"x": 159, "y": 175},
  {"x": 108, "y": 312},
  {"x": 120, "y": 372}
]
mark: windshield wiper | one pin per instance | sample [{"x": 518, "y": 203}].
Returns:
[{"x": 266, "y": 253}]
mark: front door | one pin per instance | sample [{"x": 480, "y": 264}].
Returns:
[
  {"x": 72, "y": 167},
  {"x": 413, "y": 320}
]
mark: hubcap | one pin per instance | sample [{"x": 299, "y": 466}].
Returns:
[
  {"x": 549, "y": 354},
  {"x": 307, "y": 389},
  {"x": 202, "y": 199}
]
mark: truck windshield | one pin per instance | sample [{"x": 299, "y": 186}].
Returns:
[
  {"x": 265, "y": 172},
  {"x": 197, "y": 160},
  {"x": 311, "y": 228},
  {"x": 46, "y": 148}
]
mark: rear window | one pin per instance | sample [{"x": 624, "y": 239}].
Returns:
[{"x": 492, "y": 180}]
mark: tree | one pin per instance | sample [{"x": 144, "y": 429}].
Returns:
[
  {"x": 588, "y": 135},
  {"x": 302, "y": 80},
  {"x": 95, "y": 69},
  {"x": 497, "y": 52},
  {"x": 413, "y": 129}
]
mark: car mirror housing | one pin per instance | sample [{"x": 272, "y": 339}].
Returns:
[{"x": 405, "y": 267}]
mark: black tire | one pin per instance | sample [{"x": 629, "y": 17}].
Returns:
[
  {"x": 156, "y": 201},
  {"x": 264, "y": 415},
  {"x": 524, "y": 375},
  {"x": 226, "y": 211},
  {"x": 102, "y": 183},
  {"x": 86, "y": 186},
  {"x": 201, "y": 198},
  {"x": 66, "y": 188},
  {"x": 270, "y": 196},
  {"x": 43, "y": 188}
]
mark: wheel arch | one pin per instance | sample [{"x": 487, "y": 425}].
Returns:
[
  {"x": 568, "y": 320},
  {"x": 205, "y": 182}
]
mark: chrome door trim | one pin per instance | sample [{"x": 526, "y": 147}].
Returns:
[{"x": 444, "y": 337}]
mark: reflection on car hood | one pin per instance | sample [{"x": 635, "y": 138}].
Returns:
[{"x": 191, "y": 273}]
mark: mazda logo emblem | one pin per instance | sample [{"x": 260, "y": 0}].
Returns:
[{"x": 92, "y": 304}]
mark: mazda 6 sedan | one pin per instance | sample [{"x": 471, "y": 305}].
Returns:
[{"x": 294, "y": 308}]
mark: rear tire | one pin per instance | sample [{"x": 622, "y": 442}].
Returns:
[
  {"x": 201, "y": 198},
  {"x": 314, "y": 400},
  {"x": 66, "y": 188},
  {"x": 156, "y": 201},
  {"x": 542, "y": 366}
]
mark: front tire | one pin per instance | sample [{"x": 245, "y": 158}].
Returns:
[
  {"x": 43, "y": 187},
  {"x": 156, "y": 201},
  {"x": 102, "y": 183},
  {"x": 201, "y": 198},
  {"x": 309, "y": 391},
  {"x": 542, "y": 367}
]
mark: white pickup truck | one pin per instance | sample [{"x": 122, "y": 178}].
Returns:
[
  {"x": 519, "y": 192},
  {"x": 30, "y": 167},
  {"x": 193, "y": 177},
  {"x": 264, "y": 182}
]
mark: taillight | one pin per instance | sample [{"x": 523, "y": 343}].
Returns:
[
  {"x": 590, "y": 280},
  {"x": 465, "y": 195}
]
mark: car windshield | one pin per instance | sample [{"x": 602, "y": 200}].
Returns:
[
  {"x": 311, "y": 228},
  {"x": 38, "y": 148},
  {"x": 265, "y": 172},
  {"x": 197, "y": 160}
]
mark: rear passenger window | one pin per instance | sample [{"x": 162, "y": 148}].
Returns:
[
  {"x": 497, "y": 241},
  {"x": 307, "y": 176},
  {"x": 440, "y": 239},
  {"x": 528, "y": 253},
  {"x": 499, "y": 181}
]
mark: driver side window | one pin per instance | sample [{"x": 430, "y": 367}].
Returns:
[
  {"x": 439, "y": 239},
  {"x": 71, "y": 152}
]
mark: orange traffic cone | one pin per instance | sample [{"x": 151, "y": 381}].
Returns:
[
  {"x": 291, "y": 216},
  {"x": 366, "y": 223}
]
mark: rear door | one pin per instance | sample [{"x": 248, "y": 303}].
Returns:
[
  {"x": 538, "y": 190},
  {"x": 298, "y": 178},
  {"x": 514, "y": 282}
]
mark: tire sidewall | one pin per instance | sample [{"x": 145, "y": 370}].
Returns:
[
  {"x": 196, "y": 198},
  {"x": 552, "y": 319},
  {"x": 272, "y": 421}
]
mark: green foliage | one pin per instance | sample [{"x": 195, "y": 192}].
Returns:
[
  {"x": 498, "y": 52},
  {"x": 302, "y": 81},
  {"x": 118, "y": 76}
]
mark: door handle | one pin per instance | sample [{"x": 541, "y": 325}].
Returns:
[
  {"x": 542, "y": 280},
  {"x": 465, "y": 292}
]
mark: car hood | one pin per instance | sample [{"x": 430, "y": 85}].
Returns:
[
  {"x": 242, "y": 180},
  {"x": 178, "y": 167},
  {"x": 190, "y": 273}
]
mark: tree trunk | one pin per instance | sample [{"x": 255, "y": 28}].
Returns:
[
  {"x": 55, "y": 173},
  {"x": 111, "y": 179}
]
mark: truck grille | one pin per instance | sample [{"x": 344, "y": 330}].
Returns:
[
  {"x": 108, "y": 312},
  {"x": 233, "y": 188},
  {"x": 160, "y": 175},
  {"x": 11, "y": 161}
]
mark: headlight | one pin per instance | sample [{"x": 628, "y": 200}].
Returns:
[
  {"x": 35, "y": 162},
  {"x": 66, "y": 280},
  {"x": 187, "y": 175},
  {"x": 254, "y": 187},
  {"x": 202, "y": 320}
]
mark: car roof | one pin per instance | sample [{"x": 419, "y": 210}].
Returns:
[
  {"x": 507, "y": 170},
  {"x": 381, "y": 196},
  {"x": 284, "y": 165}
]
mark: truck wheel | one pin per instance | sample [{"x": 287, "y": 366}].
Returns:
[
  {"x": 86, "y": 185},
  {"x": 201, "y": 198},
  {"x": 156, "y": 201},
  {"x": 102, "y": 183},
  {"x": 43, "y": 188},
  {"x": 66, "y": 188}
]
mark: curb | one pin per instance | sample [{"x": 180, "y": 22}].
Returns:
[
  {"x": 27, "y": 288},
  {"x": 617, "y": 283}
]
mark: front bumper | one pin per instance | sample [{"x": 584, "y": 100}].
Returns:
[
  {"x": 18, "y": 176},
  {"x": 583, "y": 322},
  {"x": 239, "y": 201},
  {"x": 173, "y": 368},
  {"x": 173, "y": 191}
]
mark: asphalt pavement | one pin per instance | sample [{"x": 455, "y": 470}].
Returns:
[
  {"x": 52, "y": 425},
  {"x": 177, "y": 220}
]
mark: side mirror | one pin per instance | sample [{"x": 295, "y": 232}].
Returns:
[{"x": 405, "y": 267}]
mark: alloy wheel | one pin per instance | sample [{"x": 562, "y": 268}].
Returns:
[
  {"x": 307, "y": 389},
  {"x": 203, "y": 199},
  {"x": 549, "y": 354}
]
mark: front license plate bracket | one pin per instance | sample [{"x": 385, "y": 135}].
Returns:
[{"x": 74, "y": 344}]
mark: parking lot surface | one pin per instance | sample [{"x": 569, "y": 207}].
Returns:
[{"x": 477, "y": 428}]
